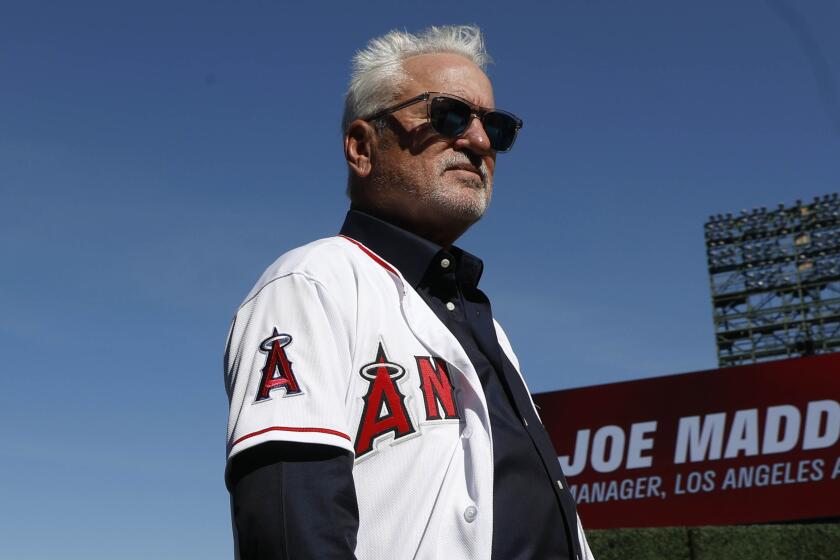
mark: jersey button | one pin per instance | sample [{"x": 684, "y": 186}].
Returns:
[
  {"x": 450, "y": 306},
  {"x": 444, "y": 263},
  {"x": 467, "y": 432},
  {"x": 470, "y": 514}
]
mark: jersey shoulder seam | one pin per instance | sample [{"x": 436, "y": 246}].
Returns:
[
  {"x": 297, "y": 269},
  {"x": 303, "y": 275}
]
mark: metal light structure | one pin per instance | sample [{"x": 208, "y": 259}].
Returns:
[{"x": 775, "y": 281}]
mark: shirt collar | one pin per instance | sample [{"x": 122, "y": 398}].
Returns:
[{"x": 414, "y": 256}]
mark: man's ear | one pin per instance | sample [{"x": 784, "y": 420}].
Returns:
[{"x": 360, "y": 142}]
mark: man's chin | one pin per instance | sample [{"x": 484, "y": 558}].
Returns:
[{"x": 464, "y": 209}]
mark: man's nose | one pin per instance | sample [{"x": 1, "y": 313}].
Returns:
[{"x": 474, "y": 138}]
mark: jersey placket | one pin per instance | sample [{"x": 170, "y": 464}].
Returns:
[{"x": 469, "y": 318}]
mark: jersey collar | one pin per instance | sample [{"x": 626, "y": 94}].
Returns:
[{"x": 415, "y": 257}]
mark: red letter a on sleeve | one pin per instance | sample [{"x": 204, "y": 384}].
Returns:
[{"x": 277, "y": 371}]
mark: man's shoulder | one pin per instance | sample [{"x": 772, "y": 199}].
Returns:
[{"x": 332, "y": 262}]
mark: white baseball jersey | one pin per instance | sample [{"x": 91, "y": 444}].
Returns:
[{"x": 332, "y": 346}]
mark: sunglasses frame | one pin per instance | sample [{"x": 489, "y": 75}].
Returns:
[{"x": 475, "y": 111}]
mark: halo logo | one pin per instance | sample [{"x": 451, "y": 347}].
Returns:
[
  {"x": 277, "y": 371},
  {"x": 384, "y": 411}
]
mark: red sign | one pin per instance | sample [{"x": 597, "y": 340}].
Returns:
[{"x": 748, "y": 444}]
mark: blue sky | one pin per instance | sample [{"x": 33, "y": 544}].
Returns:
[{"x": 156, "y": 156}]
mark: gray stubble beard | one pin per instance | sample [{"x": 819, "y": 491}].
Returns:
[{"x": 468, "y": 209}]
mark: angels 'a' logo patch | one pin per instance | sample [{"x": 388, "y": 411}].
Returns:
[
  {"x": 384, "y": 411},
  {"x": 277, "y": 372}
]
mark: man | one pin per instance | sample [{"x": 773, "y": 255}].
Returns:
[{"x": 376, "y": 407}]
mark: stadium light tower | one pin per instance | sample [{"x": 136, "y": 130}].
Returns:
[{"x": 775, "y": 281}]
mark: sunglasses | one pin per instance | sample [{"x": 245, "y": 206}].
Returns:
[{"x": 450, "y": 116}]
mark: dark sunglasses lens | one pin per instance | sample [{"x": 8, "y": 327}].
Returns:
[
  {"x": 449, "y": 117},
  {"x": 501, "y": 130}
]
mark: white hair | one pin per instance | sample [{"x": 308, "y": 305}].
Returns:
[{"x": 378, "y": 72}]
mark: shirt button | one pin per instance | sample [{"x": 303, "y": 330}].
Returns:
[
  {"x": 470, "y": 514},
  {"x": 467, "y": 432},
  {"x": 444, "y": 263},
  {"x": 450, "y": 306}
]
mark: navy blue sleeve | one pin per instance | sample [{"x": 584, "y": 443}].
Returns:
[{"x": 293, "y": 501}]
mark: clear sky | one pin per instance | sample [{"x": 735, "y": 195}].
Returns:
[{"x": 156, "y": 156}]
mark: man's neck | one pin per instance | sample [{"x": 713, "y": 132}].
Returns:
[{"x": 442, "y": 234}]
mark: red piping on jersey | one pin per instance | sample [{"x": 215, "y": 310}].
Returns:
[
  {"x": 291, "y": 429},
  {"x": 372, "y": 255}
]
